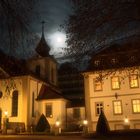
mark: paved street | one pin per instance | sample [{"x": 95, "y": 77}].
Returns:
[{"x": 35, "y": 137}]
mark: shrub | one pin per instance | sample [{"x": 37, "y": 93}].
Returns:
[
  {"x": 102, "y": 127},
  {"x": 43, "y": 124}
]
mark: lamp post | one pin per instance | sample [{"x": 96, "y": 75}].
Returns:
[
  {"x": 57, "y": 128},
  {"x": 5, "y": 122},
  {"x": 126, "y": 123},
  {"x": 85, "y": 127}
]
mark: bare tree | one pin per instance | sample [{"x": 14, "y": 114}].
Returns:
[
  {"x": 15, "y": 19},
  {"x": 96, "y": 23}
]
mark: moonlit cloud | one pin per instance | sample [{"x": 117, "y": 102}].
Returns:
[
  {"x": 57, "y": 42},
  {"x": 54, "y": 12}
]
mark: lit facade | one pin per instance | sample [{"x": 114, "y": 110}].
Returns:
[
  {"x": 118, "y": 99},
  {"x": 24, "y": 107},
  {"x": 32, "y": 90},
  {"x": 112, "y": 84}
]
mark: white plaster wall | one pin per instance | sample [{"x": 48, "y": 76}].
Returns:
[
  {"x": 107, "y": 96},
  {"x": 6, "y": 103},
  {"x": 58, "y": 111}
]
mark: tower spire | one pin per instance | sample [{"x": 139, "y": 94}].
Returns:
[
  {"x": 42, "y": 48},
  {"x": 43, "y": 22}
]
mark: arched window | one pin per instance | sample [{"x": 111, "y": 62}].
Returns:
[
  {"x": 15, "y": 103},
  {"x": 33, "y": 97}
]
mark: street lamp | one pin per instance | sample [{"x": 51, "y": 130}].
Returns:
[
  {"x": 57, "y": 123},
  {"x": 85, "y": 128},
  {"x": 6, "y": 113},
  {"x": 5, "y": 122},
  {"x": 85, "y": 122},
  {"x": 126, "y": 123},
  {"x": 58, "y": 128}
]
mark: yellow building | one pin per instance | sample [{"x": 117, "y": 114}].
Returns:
[{"x": 112, "y": 84}]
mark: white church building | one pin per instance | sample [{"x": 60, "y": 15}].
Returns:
[{"x": 29, "y": 89}]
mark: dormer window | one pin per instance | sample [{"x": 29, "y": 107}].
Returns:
[
  {"x": 37, "y": 70},
  {"x": 97, "y": 63},
  {"x": 114, "y": 60},
  {"x": 132, "y": 59}
]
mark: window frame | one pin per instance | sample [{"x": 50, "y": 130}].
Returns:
[
  {"x": 94, "y": 85},
  {"x": 97, "y": 63},
  {"x": 51, "y": 114},
  {"x": 96, "y": 114},
  {"x": 133, "y": 79},
  {"x": 120, "y": 106},
  {"x": 133, "y": 107},
  {"x": 118, "y": 83},
  {"x": 14, "y": 111}
]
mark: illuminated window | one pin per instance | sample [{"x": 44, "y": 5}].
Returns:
[
  {"x": 76, "y": 113},
  {"x": 99, "y": 107},
  {"x": 15, "y": 104},
  {"x": 49, "y": 110},
  {"x": 97, "y": 85},
  {"x": 136, "y": 106},
  {"x": 134, "y": 81},
  {"x": 115, "y": 83},
  {"x": 117, "y": 107}
]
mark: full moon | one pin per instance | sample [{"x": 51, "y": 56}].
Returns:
[
  {"x": 57, "y": 39},
  {"x": 57, "y": 42}
]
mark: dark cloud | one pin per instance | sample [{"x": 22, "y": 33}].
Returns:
[{"x": 54, "y": 12}]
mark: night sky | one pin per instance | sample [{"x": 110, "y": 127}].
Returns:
[{"x": 54, "y": 13}]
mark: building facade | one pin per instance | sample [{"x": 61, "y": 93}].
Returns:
[
  {"x": 29, "y": 89},
  {"x": 119, "y": 99},
  {"x": 112, "y": 84}
]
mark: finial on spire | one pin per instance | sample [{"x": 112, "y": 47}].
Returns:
[{"x": 43, "y": 22}]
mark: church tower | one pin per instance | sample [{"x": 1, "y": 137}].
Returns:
[
  {"x": 43, "y": 65},
  {"x": 42, "y": 48}
]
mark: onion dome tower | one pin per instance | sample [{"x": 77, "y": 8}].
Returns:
[{"x": 42, "y": 48}]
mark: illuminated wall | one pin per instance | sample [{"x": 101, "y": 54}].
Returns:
[
  {"x": 29, "y": 110},
  {"x": 111, "y": 100}
]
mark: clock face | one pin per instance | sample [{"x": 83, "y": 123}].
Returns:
[{"x": 1, "y": 94}]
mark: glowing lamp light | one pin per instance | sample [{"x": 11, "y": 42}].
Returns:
[
  {"x": 57, "y": 123},
  {"x": 126, "y": 120},
  {"x": 6, "y": 113},
  {"x": 85, "y": 122}
]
